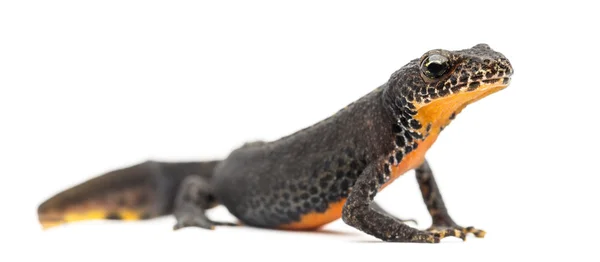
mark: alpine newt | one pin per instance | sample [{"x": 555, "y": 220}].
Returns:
[{"x": 330, "y": 170}]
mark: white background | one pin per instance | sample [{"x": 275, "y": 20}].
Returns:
[{"x": 87, "y": 87}]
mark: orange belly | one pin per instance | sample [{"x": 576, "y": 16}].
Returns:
[{"x": 314, "y": 220}]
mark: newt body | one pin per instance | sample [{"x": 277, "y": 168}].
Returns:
[{"x": 327, "y": 171}]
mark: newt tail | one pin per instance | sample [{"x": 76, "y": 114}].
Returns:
[{"x": 143, "y": 191}]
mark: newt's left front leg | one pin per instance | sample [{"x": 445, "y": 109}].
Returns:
[{"x": 441, "y": 220}]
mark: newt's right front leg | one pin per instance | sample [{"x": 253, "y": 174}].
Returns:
[{"x": 358, "y": 213}]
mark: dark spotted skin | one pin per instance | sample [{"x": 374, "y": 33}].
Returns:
[
  {"x": 307, "y": 170},
  {"x": 344, "y": 160}
]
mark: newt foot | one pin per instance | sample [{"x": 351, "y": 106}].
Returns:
[
  {"x": 437, "y": 235},
  {"x": 457, "y": 231},
  {"x": 191, "y": 221}
]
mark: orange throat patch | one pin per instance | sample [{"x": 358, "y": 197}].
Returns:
[{"x": 436, "y": 115}]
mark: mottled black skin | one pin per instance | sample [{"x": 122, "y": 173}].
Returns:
[
  {"x": 346, "y": 156},
  {"x": 277, "y": 182},
  {"x": 306, "y": 171}
]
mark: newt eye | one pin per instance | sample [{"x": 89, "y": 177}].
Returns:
[{"x": 435, "y": 66}]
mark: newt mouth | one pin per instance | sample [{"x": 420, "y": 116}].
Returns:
[
  {"x": 499, "y": 80},
  {"x": 484, "y": 84},
  {"x": 483, "y": 89},
  {"x": 490, "y": 86}
]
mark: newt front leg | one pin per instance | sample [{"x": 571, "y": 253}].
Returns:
[
  {"x": 441, "y": 220},
  {"x": 358, "y": 213}
]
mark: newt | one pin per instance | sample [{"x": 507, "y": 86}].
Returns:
[{"x": 327, "y": 171}]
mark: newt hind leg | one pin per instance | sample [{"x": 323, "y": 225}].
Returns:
[
  {"x": 441, "y": 220},
  {"x": 192, "y": 201}
]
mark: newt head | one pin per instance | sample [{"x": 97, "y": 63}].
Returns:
[{"x": 429, "y": 92}]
